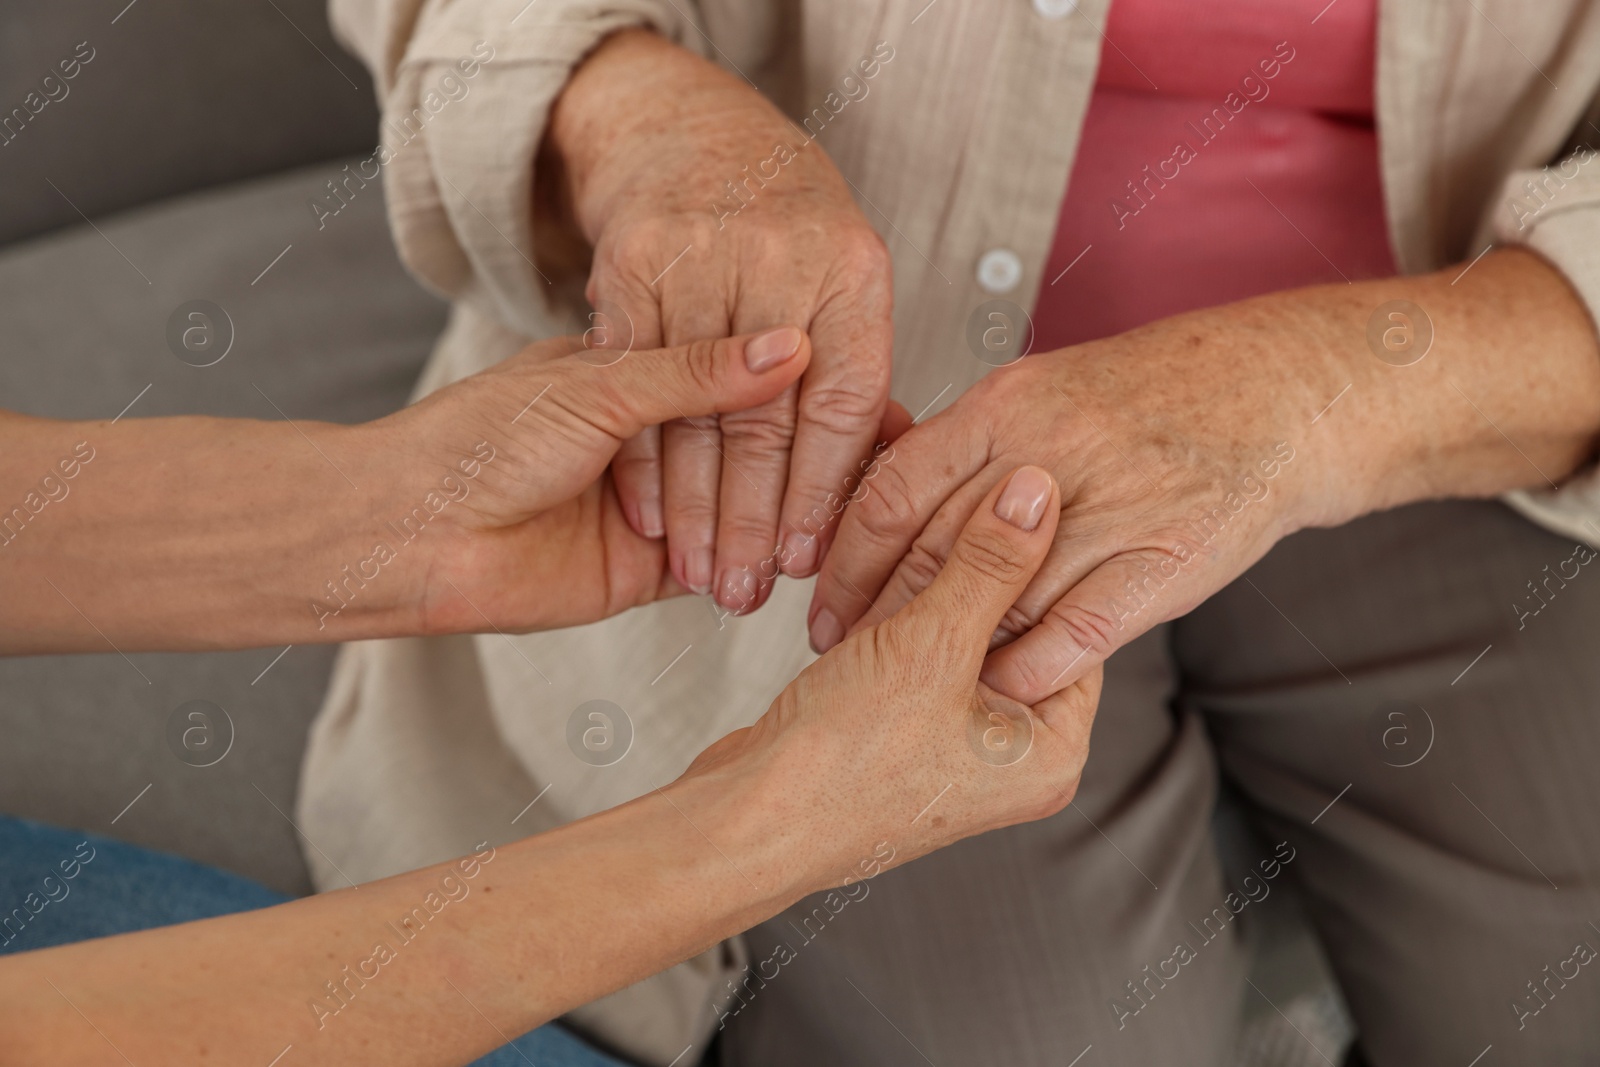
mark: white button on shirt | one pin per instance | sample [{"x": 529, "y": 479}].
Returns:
[
  {"x": 999, "y": 269},
  {"x": 1055, "y": 9}
]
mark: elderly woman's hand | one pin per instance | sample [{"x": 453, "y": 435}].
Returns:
[
  {"x": 710, "y": 213},
  {"x": 1172, "y": 486},
  {"x": 889, "y": 746},
  {"x": 1188, "y": 447}
]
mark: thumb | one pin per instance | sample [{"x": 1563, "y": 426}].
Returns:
[
  {"x": 991, "y": 563},
  {"x": 700, "y": 378}
]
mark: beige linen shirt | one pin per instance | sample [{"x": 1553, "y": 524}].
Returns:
[{"x": 961, "y": 146}]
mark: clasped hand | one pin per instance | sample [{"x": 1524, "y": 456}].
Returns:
[{"x": 541, "y": 543}]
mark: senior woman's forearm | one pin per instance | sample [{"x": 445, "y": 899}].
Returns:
[
  {"x": 1505, "y": 396},
  {"x": 192, "y": 533},
  {"x": 437, "y": 966}
]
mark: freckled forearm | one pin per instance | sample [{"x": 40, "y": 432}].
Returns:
[
  {"x": 1507, "y": 396},
  {"x": 1406, "y": 389}
]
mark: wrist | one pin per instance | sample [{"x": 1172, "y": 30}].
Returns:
[
  {"x": 1359, "y": 441},
  {"x": 372, "y": 580},
  {"x": 636, "y": 97},
  {"x": 773, "y": 811},
  {"x": 744, "y": 824}
]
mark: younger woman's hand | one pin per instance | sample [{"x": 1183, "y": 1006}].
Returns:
[
  {"x": 483, "y": 506},
  {"x": 514, "y": 461},
  {"x": 889, "y": 746}
]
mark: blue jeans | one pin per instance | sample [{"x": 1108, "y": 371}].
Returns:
[{"x": 113, "y": 888}]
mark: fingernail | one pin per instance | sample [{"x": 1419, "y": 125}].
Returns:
[
  {"x": 1022, "y": 503},
  {"x": 737, "y": 590},
  {"x": 799, "y": 554},
  {"x": 766, "y": 350},
  {"x": 825, "y": 631},
  {"x": 651, "y": 524},
  {"x": 697, "y": 570}
]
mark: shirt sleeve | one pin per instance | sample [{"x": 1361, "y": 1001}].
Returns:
[
  {"x": 1556, "y": 213},
  {"x": 466, "y": 88}
]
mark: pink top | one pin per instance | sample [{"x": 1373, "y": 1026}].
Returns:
[{"x": 1228, "y": 151}]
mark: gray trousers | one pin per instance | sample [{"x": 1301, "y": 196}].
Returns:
[{"x": 1436, "y": 805}]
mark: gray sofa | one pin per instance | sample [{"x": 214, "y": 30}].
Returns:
[{"x": 177, "y": 165}]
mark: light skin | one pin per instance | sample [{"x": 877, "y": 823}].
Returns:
[
  {"x": 167, "y": 516},
  {"x": 1151, "y": 431},
  {"x": 642, "y": 145},
  {"x": 208, "y": 533}
]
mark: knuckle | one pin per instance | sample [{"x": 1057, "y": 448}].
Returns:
[
  {"x": 1091, "y": 630},
  {"x": 702, "y": 366},
  {"x": 644, "y": 445},
  {"x": 634, "y": 247},
  {"x": 1017, "y": 621},
  {"x": 920, "y": 566},
  {"x": 690, "y": 512},
  {"x": 890, "y": 510},
  {"x": 756, "y": 530},
  {"x": 760, "y": 429},
  {"x": 847, "y": 405},
  {"x": 887, "y": 651},
  {"x": 697, "y": 426},
  {"x": 690, "y": 445},
  {"x": 991, "y": 556},
  {"x": 863, "y": 254},
  {"x": 636, "y": 469}
]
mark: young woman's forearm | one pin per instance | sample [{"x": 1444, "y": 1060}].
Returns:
[
  {"x": 437, "y": 966},
  {"x": 192, "y": 533},
  {"x": 482, "y": 506}
]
